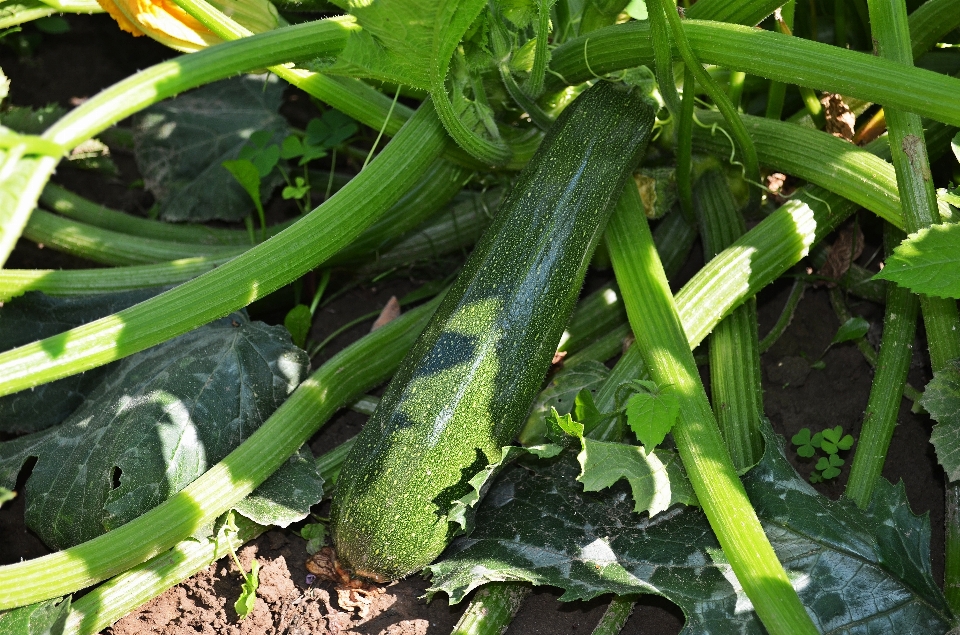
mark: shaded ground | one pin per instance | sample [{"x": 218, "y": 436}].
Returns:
[{"x": 796, "y": 396}]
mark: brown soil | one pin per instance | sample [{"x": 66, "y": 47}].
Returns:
[{"x": 94, "y": 55}]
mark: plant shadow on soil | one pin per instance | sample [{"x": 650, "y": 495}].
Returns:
[{"x": 795, "y": 396}]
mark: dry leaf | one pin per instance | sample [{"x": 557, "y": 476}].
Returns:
[
  {"x": 389, "y": 313},
  {"x": 845, "y": 249},
  {"x": 840, "y": 119}
]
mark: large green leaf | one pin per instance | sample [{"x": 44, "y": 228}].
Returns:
[
  {"x": 35, "y": 316},
  {"x": 856, "y": 571},
  {"x": 181, "y": 145},
  {"x": 927, "y": 262},
  {"x": 941, "y": 398},
  {"x": 405, "y": 41},
  {"x": 157, "y": 422},
  {"x": 42, "y": 618}
]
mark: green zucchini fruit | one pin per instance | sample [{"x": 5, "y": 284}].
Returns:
[{"x": 464, "y": 389}]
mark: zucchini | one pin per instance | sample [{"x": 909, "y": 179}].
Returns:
[{"x": 464, "y": 389}]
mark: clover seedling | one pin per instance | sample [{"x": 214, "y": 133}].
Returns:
[
  {"x": 831, "y": 441},
  {"x": 806, "y": 445},
  {"x": 834, "y": 439}
]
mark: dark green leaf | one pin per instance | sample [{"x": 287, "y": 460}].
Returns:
[
  {"x": 287, "y": 495},
  {"x": 330, "y": 130},
  {"x": 856, "y": 571},
  {"x": 802, "y": 437},
  {"x": 26, "y": 120},
  {"x": 941, "y": 398},
  {"x": 462, "y": 511},
  {"x": 248, "y": 176},
  {"x": 182, "y": 143},
  {"x": 852, "y": 329},
  {"x": 153, "y": 425},
  {"x": 651, "y": 413},
  {"x": 657, "y": 480},
  {"x": 42, "y": 618},
  {"x": 291, "y": 148},
  {"x": 261, "y": 153},
  {"x": 927, "y": 262},
  {"x": 298, "y": 321},
  {"x": 35, "y": 316},
  {"x": 585, "y": 410}
]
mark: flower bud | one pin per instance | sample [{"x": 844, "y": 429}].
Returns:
[{"x": 167, "y": 23}]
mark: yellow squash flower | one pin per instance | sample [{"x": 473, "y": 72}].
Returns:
[{"x": 167, "y": 23}]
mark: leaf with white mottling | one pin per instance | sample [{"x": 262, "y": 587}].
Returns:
[
  {"x": 287, "y": 495},
  {"x": 157, "y": 422},
  {"x": 181, "y": 144},
  {"x": 35, "y": 316},
  {"x": 857, "y": 572}
]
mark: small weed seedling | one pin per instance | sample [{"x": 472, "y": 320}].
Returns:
[
  {"x": 830, "y": 441},
  {"x": 251, "y": 581}
]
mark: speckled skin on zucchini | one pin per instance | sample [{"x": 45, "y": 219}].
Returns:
[{"x": 464, "y": 389}]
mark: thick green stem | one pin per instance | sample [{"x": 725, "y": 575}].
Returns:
[
  {"x": 104, "y": 605},
  {"x": 107, "y": 603},
  {"x": 660, "y": 337},
  {"x": 734, "y": 343},
  {"x": 616, "y": 615},
  {"x": 663, "y": 56},
  {"x": 304, "y": 41},
  {"x": 492, "y": 609},
  {"x": 113, "y": 248},
  {"x": 337, "y": 383},
  {"x": 880, "y": 417},
  {"x": 892, "y": 40},
  {"x": 720, "y": 99},
  {"x": 771, "y": 55},
  {"x": 258, "y": 271},
  {"x": 684, "y": 173}
]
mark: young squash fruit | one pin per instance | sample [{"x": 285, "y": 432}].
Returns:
[{"x": 464, "y": 389}]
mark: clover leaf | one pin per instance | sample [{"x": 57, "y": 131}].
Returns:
[
  {"x": 807, "y": 445},
  {"x": 829, "y": 466}
]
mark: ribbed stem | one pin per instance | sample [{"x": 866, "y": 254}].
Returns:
[
  {"x": 880, "y": 417},
  {"x": 890, "y": 33},
  {"x": 492, "y": 609},
  {"x": 661, "y": 339},
  {"x": 253, "y": 274},
  {"x": 304, "y": 41},
  {"x": 734, "y": 343},
  {"x": 616, "y": 615},
  {"x": 749, "y": 153}
]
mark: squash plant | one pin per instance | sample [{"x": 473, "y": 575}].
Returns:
[{"x": 746, "y": 544}]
